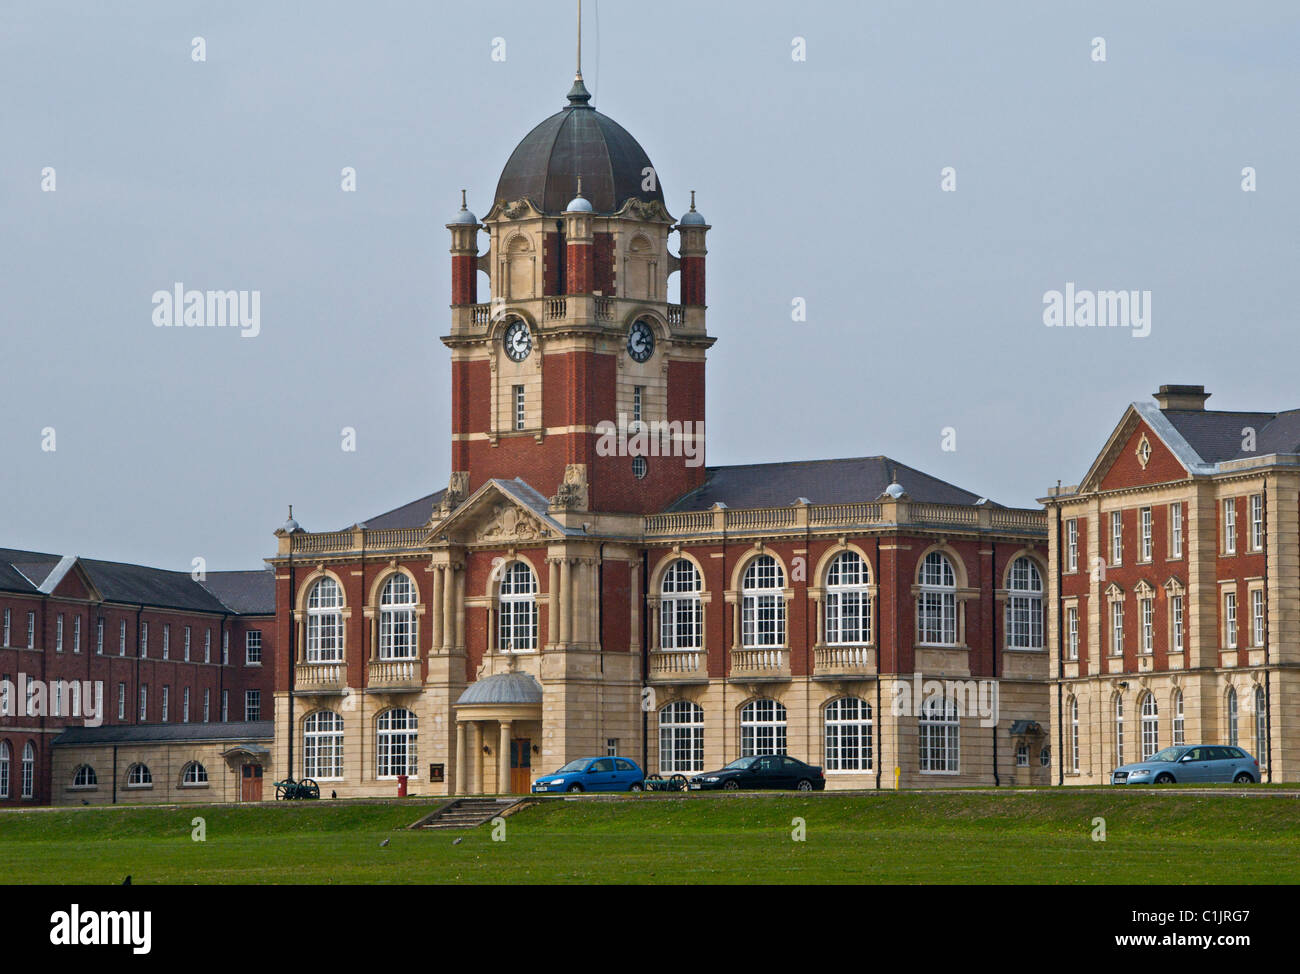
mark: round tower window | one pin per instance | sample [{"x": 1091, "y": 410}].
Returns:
[{"x": 638, "y": 467}]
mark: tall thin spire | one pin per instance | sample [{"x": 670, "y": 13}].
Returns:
[{"x": 578, "y": 76}]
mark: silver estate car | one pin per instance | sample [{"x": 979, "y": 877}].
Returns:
[{"x": 1184, "y": 765}]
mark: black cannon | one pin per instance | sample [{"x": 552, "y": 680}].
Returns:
[{"x": 290, "y": 790}]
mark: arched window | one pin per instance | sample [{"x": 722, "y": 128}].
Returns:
[
  {"x": 325, "y": 622},
  {"x": 517, "y": 629},
  {"x": 322, "y": 745},
  {"x": 1074, "y": 734},
  {"x": 139, "y": 776},
  {"x": 396, "y": 744},
  {"x": 1025, "y": 606},
  {"x": 194, "y": 774},
  {"x": 940, "y": 736},
  {"x": 763, "y": 606},
  {"x": 397, "y": 618},
  {"x": 936, "y": 605},
  {"x": 1232, "y": 716},
  {"x": 28, "y": 770},
  {"x": 1119, "y": 729},
  {"x": 681, "y": 738},
  {"x": 4, "y": 769},
  {"x": 84, "y": 777},
  {"x": 848, "y": 600},
  {"x": 681, "y": 616},
  {"x": 1261, "y": 727},
  {"x": 1150, "y": 726},
  {"x": 762, "y": 728},
  {"x": 1180, "y": 737},
  {"x": 848, "y": 735}
]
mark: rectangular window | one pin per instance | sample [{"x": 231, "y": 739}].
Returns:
[
  {"x": 1176, "y": 607},
  {"x": 1176, "y": 530},
  {"x": 253, "y": 647},
  {"x": 252, "y": 705},
  {"x": 1072, "y": 545},
  {"x": 99, "y": 637},
  {"x": 519, "y": 407},
  {"x": 166, "y": 702},
  {"x": 144, "y": 640},
  {"x": 121, "y": 701},
  {"x": 31, "y": 630},
  {"x": 76, "y": 634},
  {"x": 1117, "y": 628},
  {"x": 1257, "y": 616},
  {"x": 7, "y": 624},
  {"x": 167, "y": 640},
  {"x": 144, "y": 702},
  {"x": 1146, "y": 534},
  {"x": 638, "y": 403},
  {"x": 58, "y": 634},
  {"x": 225, "y": 648},
  {"x": 611, "y": 746},
  {"x": 207, "y": 646},
  {"x": 58, "y": 698},
  {"x": 1230, "y": 620},
  {"x": 1256, "y": 522},
  {"x": 1230, "y": 527},
  {"x": 1116, "y": 537},
  {"x": 121, "y": 637},
  {"x": 187, "y": 644},
  {"x": 1147, "y": 607},
  {"x": 185, "y": 706},
  {"x": 207, "y": 705},
  {"x": 225, "y": 706},
  {"x": 1072, "y": 632},
  {"x": 5, "y": 684}
]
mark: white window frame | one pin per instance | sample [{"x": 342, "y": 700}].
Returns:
[
  {"x": 1150, "y": 726},
  {"x": 1074, "y": 734},
  {"x": 28, "y": 771},
  {"x": 144, "y": 703},
  {"x": 397, "y": 628},
  {"x": 121, "y": 701},
  {"x": 58, "y": 633},
  {"x": 1117, "y": 537},
  {"x": 848, "y": 733},
  {"x": 1179, "y": 721},
  {"x": 325, "y": 622},
  {"x": 936, "y": 602},
  {"x": 1176, "y": 610},
  {"x": 1119, "y": 729},
  {"x": 1147, "y": 617},
  {"x": 322, "y": 746},
  {"x": 139, "y": 776},
  {"x": 253, "y": 647},
  {"x": 1072, "y": 632},
  {"x": 1072, "y": 545},
  {"x": 1257, "y": 617},
  {"x": 1256, "y": 522},
  {"x": 166, "y": 701},
  {"x": 31, "y": 629},
  {"x": 1024, "y": 608},
  {"x": 167, "y": 640},
  {"x": 763, "y": 726},
  {"x": 194, "y": 775},
  {"x": 681, "y": 608},
  {"x": 1230, "y": 526},
  {"x": 517, "y": 609},
  {"x": 252, "y": 705},
  {"x": 681, "y": 738},
  {"x": 1233, "y": 714},
  {"x": 848, "y": 601},
  {"x": 1261, "y": 727},
  {"x": 520, "y": 408},
  {"x": 939, "y": 737},
  {"x": 1176, "y": 530},
  {"x": 763, "y": 605},
  {"x": 1229, "y": 620},
  {"x": 1145, "y": 548},
  {"x": 1117, "y": 628},
  {"x": 396, "y": 744}
]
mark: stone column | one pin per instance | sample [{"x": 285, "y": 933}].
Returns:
[
  {"x": 436, "y": 605},
  {"x": 474, "y": 761},
  {"x": 553, "y": 601},
  {"x": 503, "y": 759},
  {"x": 566, "y": 602},
  {"x": 462, "y": 778},
  {"x": 459, "y": 609},
  {"x": 448, "y": 608}
]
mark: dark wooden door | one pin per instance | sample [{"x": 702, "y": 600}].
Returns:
[
  {"x": 521, "y": 765},
  {"x": 252, "y": 783}
]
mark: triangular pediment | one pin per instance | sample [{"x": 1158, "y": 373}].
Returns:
[
  {"x": 499, "y": 512},
  {"x": 1143, "y": 449},
  {"x": 69, "y": 579}
]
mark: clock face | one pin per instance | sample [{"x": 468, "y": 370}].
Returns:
[
  {"x": 518, "y": 341},
  {"x": 641, "y": 341}
]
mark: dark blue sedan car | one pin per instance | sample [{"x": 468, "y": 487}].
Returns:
[{"x": 593, "y": 774}]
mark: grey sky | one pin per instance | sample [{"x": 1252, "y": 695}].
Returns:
[{"x": 821, "y": 180}]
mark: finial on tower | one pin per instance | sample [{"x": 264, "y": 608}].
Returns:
[
  {"x": 578, "y": 94},
  {"x": 692, "y": 201},
  {"x": 464, "y": 207},
  {"x": 578, "y": 76}
]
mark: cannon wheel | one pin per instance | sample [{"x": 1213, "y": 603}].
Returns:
[
  {"x": 677, "y": 782},
  {"x": 309, "y": 788}
]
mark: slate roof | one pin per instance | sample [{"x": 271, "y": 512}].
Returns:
[
  {"x": 416, "y": 514},
  {"x": 1216, "y": 435},
  {"x": 503, "y": 688},
  {"x": 244, "y": 593},
  {"x": 251, "y": 592},
  {"x": 253, "y": 730},
  {"x": 820, "y": 481}
]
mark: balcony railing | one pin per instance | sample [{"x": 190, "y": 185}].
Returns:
[
  {"x": 319, "y": 676},
  {"x": 399, "y": 673},
  {"x": 677, "y": 665},
  {"x": 357, "y": 539},
  {"x": 844, "y": 661},
  {"x": 760, "y": 663}
]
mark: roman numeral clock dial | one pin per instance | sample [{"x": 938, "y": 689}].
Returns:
[
  {"x": 641, "y": 341},
  {"x": 518, "y": 341}
]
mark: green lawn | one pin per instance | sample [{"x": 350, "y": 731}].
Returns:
[{"x": 960, "y": 837}]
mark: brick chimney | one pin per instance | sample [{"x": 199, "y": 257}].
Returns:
[{"x": 1190, "y": 398}]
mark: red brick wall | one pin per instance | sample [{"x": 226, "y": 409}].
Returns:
[
  {"x": 605, "y": 278},
  {"x": 692, "y": 283},
  {"x": 464, "y": 279}
]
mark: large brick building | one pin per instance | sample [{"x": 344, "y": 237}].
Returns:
[
  {"x": 585, "y": 585},
  {"x": 99, "y": 661},
  {"x": 1174, "y": 592}
]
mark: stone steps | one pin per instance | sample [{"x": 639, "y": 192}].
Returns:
[{"x": 464, "y": 813}]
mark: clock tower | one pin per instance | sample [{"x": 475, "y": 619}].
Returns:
[{"x": 577, "y": 375}]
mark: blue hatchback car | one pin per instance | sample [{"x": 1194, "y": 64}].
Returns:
[
  {"x": 1185, "y": 765},
  {"x": 593, "y": 774}
]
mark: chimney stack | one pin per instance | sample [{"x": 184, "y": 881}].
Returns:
[{"x": 1191, "y": 398}]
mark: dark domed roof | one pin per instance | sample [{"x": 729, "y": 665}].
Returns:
[{"x": 577, "y": 141}]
